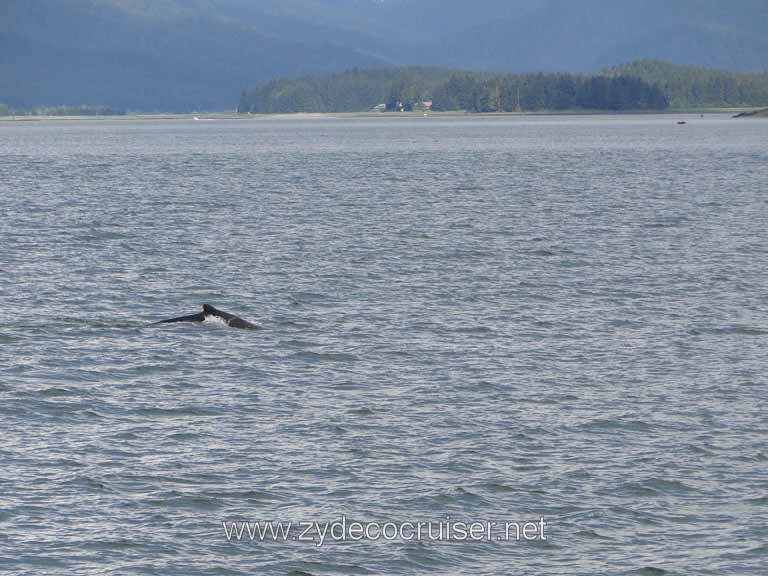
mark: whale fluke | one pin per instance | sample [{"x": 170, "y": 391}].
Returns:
[{"x": 208, "y": 310}]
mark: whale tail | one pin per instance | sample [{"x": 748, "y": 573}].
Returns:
[
  {"x": 208, "y": 310},
  {"x": 191, "y": 318}
]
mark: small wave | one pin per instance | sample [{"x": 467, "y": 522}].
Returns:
[
  {"x": 616, "y": 424},
  {"x": 176, "y": 412},
  {"x": 500, "y": 488},
  {"x": 667, "y": 222},
  {"x": 247, "y": 495},
  {"x": 293, "y": 323},
  {"x": 625, "y": 323},
  {"x": 63, "y": 410},
  {"x": 57, "y": 392},
  {"x": 328, "y": 567},
  {"x": 656, "y": 486},
  {"x": 298, "y": 343},
  {"x": 458, "y": 496},
  {"x": 735, "y": 329},
  {"x": 548, "y": 401},
  {"x": 700, "y": 450},
  {"x": 310, "y": 297},
  {"x": 416, "y": 234},
  {"x": 88, "y": 483},
  {"x": 544, "y": 253},
  {"x": 593, "y": 535},
  {"x": 473, "y": 330},
  {"x": 669, "y": 486},
  {"x": 107, "y": 545},
  {"x": 185, "y": 436},
  {"x": 190, "y": 501},
  {"x": 469, "y": 254},
  {"x": 648, "y": 571},
  {"x": 325, "y": 356},
  {"x": 364, "y": 411},
  {"x": 761, "y": 550}
]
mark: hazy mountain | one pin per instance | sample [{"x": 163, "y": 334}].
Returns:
[
  {"x": 592, "y": 34},
  {"x": 198, "y": 54},
  {"x": 162, "y": 54}
]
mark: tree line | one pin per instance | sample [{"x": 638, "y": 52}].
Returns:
[
  {"x": 515, "y": 92},
  {"x": 355, "y": 90},
  {"x": 402, "y": 89},
  {"x": 642, "y": 85},
  {"x": 697, "y": 87}
]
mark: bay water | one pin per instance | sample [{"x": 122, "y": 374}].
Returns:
[{"x": 462, "y": 320}]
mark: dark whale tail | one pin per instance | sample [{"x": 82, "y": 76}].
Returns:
[
  {"x": 191, "y": 318},
  {"x": 208, "y": 310}
]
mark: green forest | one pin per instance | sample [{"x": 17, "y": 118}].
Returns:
[
  {"x": 510, "y": 93},
  {"x": 696, "y": 87},
  {"x": 352, "y": 91},
  {"x": 641, "y": 85}
]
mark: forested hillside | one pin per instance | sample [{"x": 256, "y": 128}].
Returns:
[
  {"x": 532, "y": 92},
  {"x": 351, "y": 91},
  {"x": 696, "y": 87},
  {"x": 406, "y": 88},
  {"x": 641, "y": 85}
]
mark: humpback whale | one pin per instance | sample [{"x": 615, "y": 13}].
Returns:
[{"x": 208, "y": 310}]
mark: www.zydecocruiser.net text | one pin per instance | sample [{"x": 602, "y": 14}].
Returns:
[{"x": 344, "y": 530}]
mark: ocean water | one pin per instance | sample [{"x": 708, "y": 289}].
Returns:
[{"x": 462, "y": 320}]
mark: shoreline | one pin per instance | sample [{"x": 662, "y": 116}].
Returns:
[{"x": 746, "y": 112}]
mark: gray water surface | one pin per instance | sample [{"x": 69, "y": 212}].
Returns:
[{"x": 487, "y": 319}]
